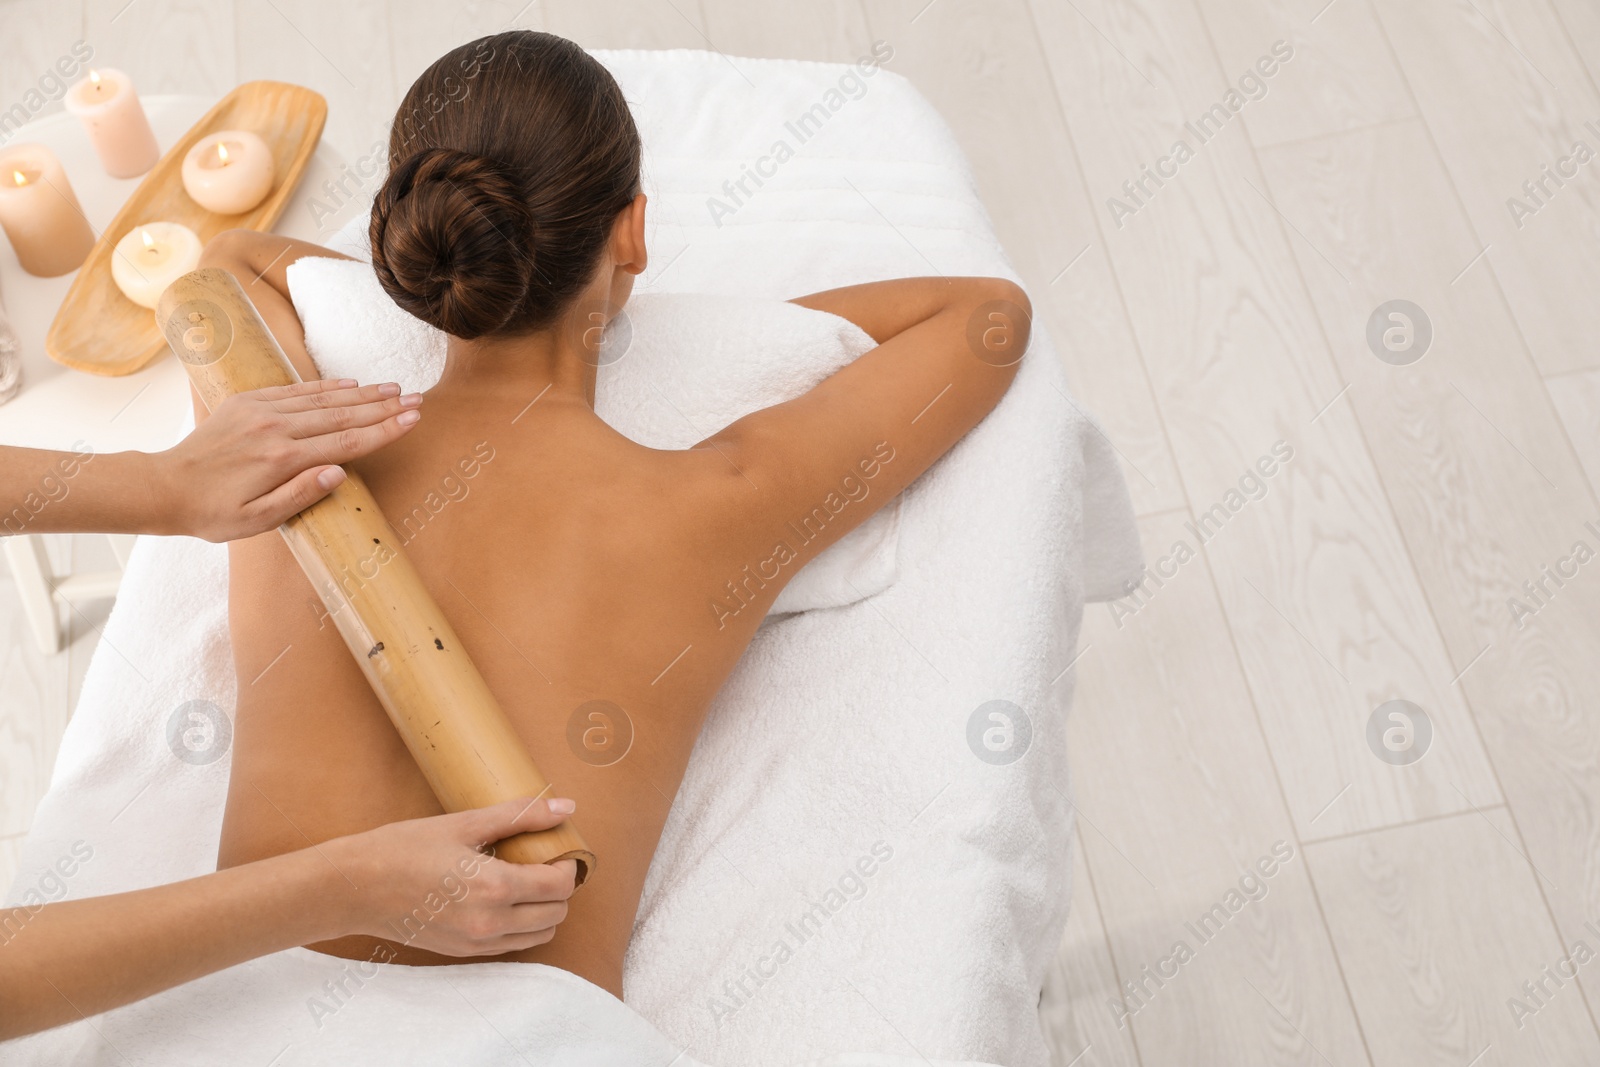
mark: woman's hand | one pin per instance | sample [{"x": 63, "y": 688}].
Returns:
[
  {"x": 432, "y": 884},
  {"x": 264, "y": 456}
]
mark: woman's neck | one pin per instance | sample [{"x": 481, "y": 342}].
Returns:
[{"x": 546, "y": 363}]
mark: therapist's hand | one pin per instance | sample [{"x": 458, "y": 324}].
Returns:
[
  {"x": 428, "y": 882},
  {"x": 264, "y": 456}
]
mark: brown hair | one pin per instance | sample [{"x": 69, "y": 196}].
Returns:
[{"x": 509, "y": 160}]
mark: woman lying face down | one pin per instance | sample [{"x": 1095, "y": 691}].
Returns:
[{"x": 582, "y": 570}]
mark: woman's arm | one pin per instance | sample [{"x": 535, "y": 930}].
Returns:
[
  {"x": 261, "y": 262},
  {"x": 426, "y": 882},
  {"x": 947, "y": 351},
  {"x": 262, "y": 457}
]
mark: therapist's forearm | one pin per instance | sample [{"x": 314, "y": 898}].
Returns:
[
  {"x": 63, "y": 492},
  {"x": 62, "y": 962},
  {"x": 261, "y": 458},
  {"x": 432, "y": 882}
]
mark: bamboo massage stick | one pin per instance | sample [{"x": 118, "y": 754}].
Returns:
[{"x": 437, "y": 700}]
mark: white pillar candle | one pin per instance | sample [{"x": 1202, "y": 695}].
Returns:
[
  {"x": 151, "y": 257},
  {"x": 40, "y": 213},
  {"x": 229, "y": 172},
  {"x": 114, "y": 119}
]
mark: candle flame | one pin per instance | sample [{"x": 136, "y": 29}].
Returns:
[
  {"x": 149, "y": 242},
  {"x": 18, "y": 177},
  {"x": 94, "y": 78},
  {"x": 222, "y": 153}
]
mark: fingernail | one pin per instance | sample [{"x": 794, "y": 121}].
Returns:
[
  {"x": 348, "y": 382},
  {"x": 406, "y": 418},
  {"x": 331, "y": 477},
  {"x": 388, "y": 389},
  {"x": 410, "y": 400},
  {"x": 562, "y": 806}
]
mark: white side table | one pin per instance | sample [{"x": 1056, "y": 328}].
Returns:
[{"x": 148, "y": 411}]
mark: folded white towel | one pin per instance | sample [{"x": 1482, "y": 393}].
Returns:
[{"x": 851, "y": 862}]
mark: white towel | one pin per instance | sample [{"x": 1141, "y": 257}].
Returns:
[
  {"x": 849, "y": 864},
  {"x": 303, "y": 1009}
]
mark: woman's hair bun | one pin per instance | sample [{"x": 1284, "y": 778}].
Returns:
[{"x": 452, "y": 240}]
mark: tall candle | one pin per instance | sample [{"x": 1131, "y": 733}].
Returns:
[
  {"x": 113, "y": 117},
  {"x": 150, "y": 257},
  {"x": 40, "y": 213},
  {"x": 229, "y": 172}
]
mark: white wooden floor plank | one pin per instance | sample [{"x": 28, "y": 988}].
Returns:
[
  {"x": 34, "y": 36},
  {"x": 341, "y": 50},
  {"x": 1577, "y": 400},
  {"x": 1335, "y": 80},
  {"x": 1581, "y": 20},
  {"x": 167, "y": 46},
  {"x": 628, "y": 24},
  {"x": 1078, "y": 1005},
  {"x": 831, "y": 30},
  {"x": 1438, "y": 927},
  {"x": 1506, "y": 97}
]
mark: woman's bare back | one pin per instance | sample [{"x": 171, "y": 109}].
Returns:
[{"x": 580, "y": 571}]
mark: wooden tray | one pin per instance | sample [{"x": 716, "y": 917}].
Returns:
[{"x": 101, "y": 331}]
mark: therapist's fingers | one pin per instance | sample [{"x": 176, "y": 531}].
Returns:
[
  {"x": 541, "y": 934},
  {"x": 541, "y": 918},
  {"x": 342, "y": 446},
  {"x": 342, "y": 396},
  {"x": 518, "y": 883},
  {"x": 527, "y": 883},
  {"x": 293, "y": 496},
  {"x": 485, "y": 826},
  {"x": 511, "y": 928},
  {"x": 495, "y": 944},
  {"x": 279, "y": 393},
  {"x": 320, "y": 422}
]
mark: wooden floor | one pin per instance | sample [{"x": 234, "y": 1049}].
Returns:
[{"x": 1256, "y": 885}]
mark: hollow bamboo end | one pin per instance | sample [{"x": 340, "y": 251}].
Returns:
[
  {"x": 585, "y": 861},
  {"x": 547, "y": 846},
  {"x": 219, "y": 337}
]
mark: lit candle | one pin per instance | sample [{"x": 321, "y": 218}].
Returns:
[
  {"x": 40, "y": 213},
  {"x": 151, "y": 257},
  {"x": 113, "y": 117},
  {"x": 229, "y": 172}
]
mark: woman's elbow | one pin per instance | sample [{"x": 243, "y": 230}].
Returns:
[
  {"x": 1000, "y": 326},
  {"x": 227, "y": 248}
]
